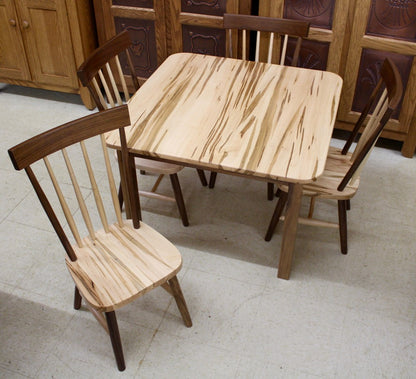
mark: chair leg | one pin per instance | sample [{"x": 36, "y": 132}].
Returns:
[
  {"x": 342, "y": 217},
  {"x": 120, "y": 196},
  {"x": 311, "y": 207},
  {"x": 202, "y": 177},
  {"x": 348, "y": 204},
  {"x": 115, "y": 339},
  {"x": 278, "y": 192},
  {"x": 276, "y": 215},
  {"x": 180, "y": 301},
  {"x": 179, "y": 198},
  {"x": 270, "y": 191},
  {"x": 212, "y": 179},
  {"x": 77, "y": 299}
]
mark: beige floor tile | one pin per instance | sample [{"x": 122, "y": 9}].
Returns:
[{"x": 175, "y": 357}]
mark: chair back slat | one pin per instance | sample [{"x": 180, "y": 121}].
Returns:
[
  {"x": 257, "y": 56},
  {"x": 230, "y": 43},
  {"x": 244, "y": 47},
  {"x": 122, "y": 80},
  {"x": 113, "y": 83},
  {"x": 107, "y": 92},
  {"x": 81, "y": 202},
  {"x": 270, "y": 51},
  {"x": 95, "y": 190},
  {"x": 96, "y": 90},
  {"x": 297, "y": 52},
  {"x": 267, "y": 28},
  {"x": 387, "y": 94},
  {"x": 111, "y": 181},
  {"x": 63, "y": 202},
  {"x": 284, "y": 48}
]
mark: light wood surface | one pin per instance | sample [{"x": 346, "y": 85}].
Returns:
[
  {"x": 260, "y": 120},
  {"x": 134, "y": 260},
  {"x": 256, "y": 119}
]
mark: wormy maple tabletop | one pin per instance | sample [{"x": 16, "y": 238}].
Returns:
[{"x": 257, "y": 119}]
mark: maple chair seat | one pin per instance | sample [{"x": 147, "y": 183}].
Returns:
[
  {"x": 325, "y": 186},
  {"x": 120, "y": 266}
]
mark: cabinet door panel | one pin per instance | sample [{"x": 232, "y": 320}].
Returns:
[
  {"x": 374, "y": 37},
  {"x": 47, "y": 38},
  {"x": 13, "y": 62},
  {"x": 202, "y": 40},
  {"x": 143, "y": 50},
  {"x": 197, "y": 26}
]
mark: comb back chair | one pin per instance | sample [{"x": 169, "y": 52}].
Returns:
[
  {"x": 340, "y": 178},
  {"x": 119, "y": 260},
  {"x": 101, "y": 73},
  {"x": 272, "y": 29}
]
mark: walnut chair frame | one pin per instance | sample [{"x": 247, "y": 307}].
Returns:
[
  {"x": 102, "y": 74},
  {"x": 340, "y": 179},
  {"x": 116, "y": 262},
  {"x": 273, "y": 28}
]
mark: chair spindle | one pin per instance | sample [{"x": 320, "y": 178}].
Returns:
[
  {"x": 64, "y": 204},
  {"x": 78, "y": 194},
  {"x": 95, "y": 191}
]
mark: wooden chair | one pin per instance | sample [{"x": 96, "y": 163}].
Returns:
[
  {"x": 101, "y": 73},
  {"x": 272, "y": 29},
  {"x": 340, "y": 179},
  {"x": 119, "y": 260}
]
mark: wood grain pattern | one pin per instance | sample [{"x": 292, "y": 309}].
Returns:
[
  {"x": 122, "y": 265},
  {"x": 255, "y": 119}
]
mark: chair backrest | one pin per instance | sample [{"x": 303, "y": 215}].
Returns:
[
  {"x": 102, "y": 71},
  {"x": 274, "y": 27},
  {"x": 384, "y": 99},
  {"x": 72, "y": 140}
]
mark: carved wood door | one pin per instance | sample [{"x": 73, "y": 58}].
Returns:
[
  {"x": 381, "y": 29},
  {"x": 197, "y": 26}
]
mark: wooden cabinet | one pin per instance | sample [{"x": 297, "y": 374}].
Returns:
[
  {"x": 352, "y": 38},
  {"x": 44, "y": 41},
  {"x": 163, "y": 27}
]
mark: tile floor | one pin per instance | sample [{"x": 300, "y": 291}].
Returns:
[{"x": 337, "y": 317}]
